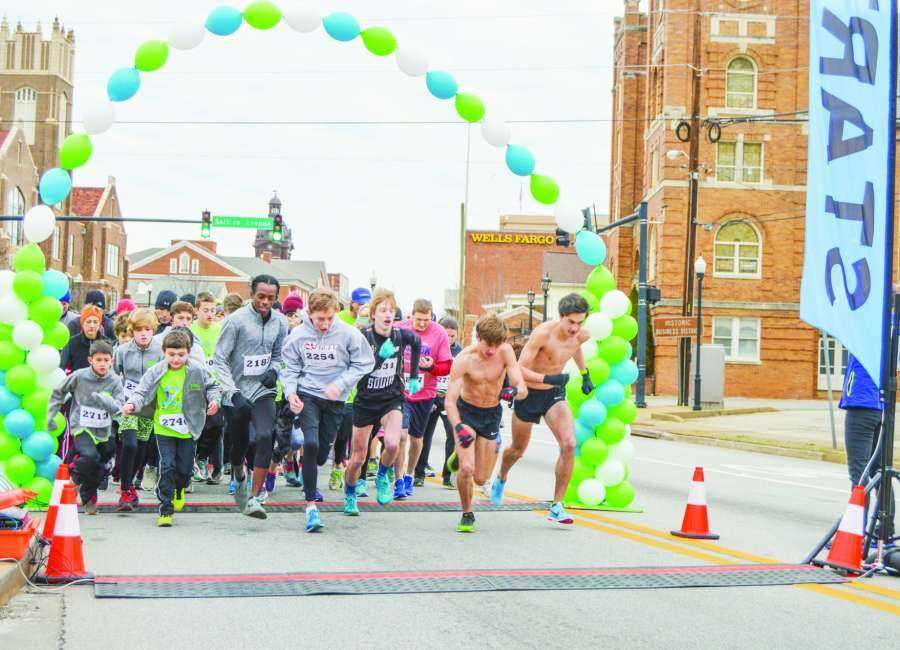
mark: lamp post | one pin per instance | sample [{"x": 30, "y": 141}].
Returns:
[
  {"x": 373, "y": 280},
  {"x": 699, "y": 271},
  {"x": 530, "y": 311},
  {"x": 545, "y": 287},
  {"x": 144, "y": 287}
]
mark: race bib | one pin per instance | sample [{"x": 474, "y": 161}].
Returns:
[
  {"x": 93, "y": 418},
  {"x": 256, "y": 364},
  {"x": 175, "y": 422},
  {"x": 319, "y": 355},
  {"x": 443, "y": 383},
  {"x": 129, "y": 387},
  {"x": 383, "y": 377}
]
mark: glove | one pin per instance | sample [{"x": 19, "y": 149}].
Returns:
[
  {"x": 388, "y": 349},
  {"x": 414, "y": 385},
  {"x": 296, "y": 433},
  {"x": 509, "y": 394},
  {"x": 269, "y": 378},
  {"x": 241, "y": 403},
  {"x": 557, "y": 380},
  {"x": 587, "y": 386},
  {"x": 464, "y": 434}
]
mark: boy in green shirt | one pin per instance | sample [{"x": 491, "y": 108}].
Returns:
[{"x": 210, "y": 449}]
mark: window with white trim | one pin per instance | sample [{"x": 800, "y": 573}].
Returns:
[
  {"x": 25, "y": 111},
  {"x": 737, "y": 251},
  {"x": 70, "y": 251},
  {"x": 739, "y": 336},
  {"x": 184, "y": 263},
  {"x": 740, "y": 83},
  {"x": 93, "y": 259},
  {"x": 54, "y": 244},
  {"x": 15, "y": 206},
  {"x": 195, "y": 267},
  {"x": 836, "y": 361},
  {"x": 63, "y": 116},
  {"x": 173, "y": 265},
  {"x": 739, "y": 161},
  {"x": 112, "y": 260}
]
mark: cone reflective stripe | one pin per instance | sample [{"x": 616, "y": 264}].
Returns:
[
  {"x": 62, "y": 478},
  {"x": 846, "y": 549},
  {"x": 695, "y": 524},
  {"x": 66, "y": 562}
]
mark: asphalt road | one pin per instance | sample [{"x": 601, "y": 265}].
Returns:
[{"x": 766, "y": 508}]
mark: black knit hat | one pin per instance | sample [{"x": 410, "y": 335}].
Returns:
[
  {"x": 95, "y": 298},
  {"x": 165, "y": 299}
]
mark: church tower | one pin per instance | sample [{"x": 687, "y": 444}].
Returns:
[{"x": 264, "y": 246}]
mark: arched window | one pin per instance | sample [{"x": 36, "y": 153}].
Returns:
[
  {"x": 740, "y": 83},
  {"x": 184, "y": 263},
  {"x": 738, "y": 250},
  {"x": 25, "y": 111},
  {"x": 15, "y": 206},
  {"x": 63, "y": 116}
]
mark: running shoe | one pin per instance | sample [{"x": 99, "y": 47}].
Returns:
[
  {"x": 262, "y": 495},
  {"x": 227, "y": 468},
  {"x": 232, "y": 486},
  {"x": 313, "y": 523},
  {"x": 429, "y": 471},
  {"x": 391, "y": 475},
  {"x": 202, "y": 473},
  {"x": 242, "y": 493},
  {"x": 486, "y": 489},
  {"x": 362, "y": 490},
  {"x": 350, "y": 507},
  {"x": 215, "y": 477},
  {"x": 419, "y": 482},
  {"x": 104, "y": 482},
  {"x": 453, "y": 462},
  {"x": 190, "y": 487},
  {"x": 466, "y": 523},
  {"x": 372, "y": 469},
  {"x": 254, "y": 509},
  {"x": 291, "y": 479},
  {"x": 336, "y": 481},
  {"x": 164, "y": 521},
  {"x": 497, "y": 491},
  {"x": 127, "y": 501},
  {"x": 178, "y": 501},
  {"x": 115, "y": 479},
  {"x": 558, "y": 516},
  {"x": 448, "y": 483},
  {"x": 399, "y": 489},
  {"x": 196, "y": 476},
  {"x": 408, "y": 485},
  {"x": 90, "y": 508},
  {"x": 148, "y": 483},
  {"x": 270, "y": 482},
  {"x": 384, "y": 493}
]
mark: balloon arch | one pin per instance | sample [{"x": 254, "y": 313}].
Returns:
[{"x": 31, "y": 334}]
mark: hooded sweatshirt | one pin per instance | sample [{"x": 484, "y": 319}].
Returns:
[
  {"x": 313, "y": 360},
  {"x": 131, "y": 362},
  {"x": 95, "y": 400},
  {"x": 196, "y": 353}
]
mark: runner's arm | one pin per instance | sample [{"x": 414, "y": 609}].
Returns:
[
  {"x": 443, "y": 358},
  {"x": 293, "y": 366},
  {"x": 454, "y": 391},
  {"x": 213, "y": 390},
  {"x": 58, "y": 397},
  {"x": 222, "y": 357},
  {"x": 412, "y": 339},
  {"x": 583, "y": 337},
  {"x": 362, "y": 362},
  {"x": 513, "y": 373},
  {"x": 113, "y": 402}
]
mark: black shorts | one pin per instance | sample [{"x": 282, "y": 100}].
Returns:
[
  {"x": 368, "y": 414},
  {"x": 415, "y": 417},
  {"x": 535, "y": 406},
  {"x": 484, "y": 421}
]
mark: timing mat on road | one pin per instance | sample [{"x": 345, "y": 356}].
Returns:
[
  {"x": 410, "y": 582},
  {"x": 213, "y": 507}
]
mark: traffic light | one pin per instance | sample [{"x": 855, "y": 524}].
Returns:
[
  {"x": 206, "y": 225},
  {"x": 562, "y": 238},
  {"x": 277, "y": 228}
]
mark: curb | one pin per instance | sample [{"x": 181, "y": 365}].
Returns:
[
  {"x": 11, "y": 573},
  {"x": 686, "y": 414},
  {"x": 835, "y": 456}
]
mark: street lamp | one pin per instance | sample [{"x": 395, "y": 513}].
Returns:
[
  {"x": 373, "y": 280},
  {"x": 699, "y": 271},
  {"x": 530, "y": 311},
  {"x": 545, "y": 287}
]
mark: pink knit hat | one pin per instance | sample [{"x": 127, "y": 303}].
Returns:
[
  {"x": 291, "y": 304},
  {"x": 125, "y": 305}
]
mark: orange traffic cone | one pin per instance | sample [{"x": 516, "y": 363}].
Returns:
[
  {"x": 695, "y": 524},
  {"x": 846, "y": 549},
  {"x": 66, "y": 562},
  {"x": 62, "y": 479}
]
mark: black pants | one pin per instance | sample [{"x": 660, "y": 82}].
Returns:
[
  {"x": 344, "y": 434},
  {"x": 320, "y": 420},
  {"x": 430, "y": 426},
  {"x": 127, "y": 457},
  {"x": 861, "y": 429},
  {"x": 209, "y": 439},
  {"x": 262, "y": 416},
  {"x": 90, "y": 465},
  {"x": 176, "y": 465}
]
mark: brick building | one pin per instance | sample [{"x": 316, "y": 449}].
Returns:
[{"x": 18, "y": 189}]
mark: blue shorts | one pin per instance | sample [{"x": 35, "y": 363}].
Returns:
[{"x": 415, "y": 417}]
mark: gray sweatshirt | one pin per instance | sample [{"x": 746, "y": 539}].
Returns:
[
  {"x": 199, "y": 390},
  {"x": 196, "y": 352},
  {"x": 313, "y": 360},
  {"x": 131, "y": 362},
  {"x": 246, "y": 349},
  {"x": 94, "y": 401}
]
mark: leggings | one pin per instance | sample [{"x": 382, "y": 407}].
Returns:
[
  {"x": 344, "y": 433},
  {"x": 262, "y": 416},
  {"x": 90, "y": 466},
  {"x": 210, "y": 439},
  {"x": 320, "y": 420}
]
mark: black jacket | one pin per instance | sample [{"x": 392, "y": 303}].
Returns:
[{"x": 75, "y": 355}]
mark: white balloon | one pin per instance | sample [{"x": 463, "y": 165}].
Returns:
[
  {"x": 589, "y": 349},
  {"x": 571, "y": 368},
  {"x": 99, "y": 118},
  {"x": 568, "y": 217},
  {"x": 591, "y": 492},
  {"x": 53, "y": 379},
  {"x": 412, "y": 62},
  {"x": 186, "y": 37},
  {"x": 39, "y": 223},
  {"x": 303, "y": 20},
  {"x": 44, "y": 359},
  {"x": 623, "y": 452},
  {"x": 611, "y": 472},
  {"x": 6, "y": 282},
  {"x": 27, "y": 335},
  {"x": 12, "y": 310},
  {"x": 599, "y": 326},
  {"x": 614, "y": 304},
  {"x": 496, "y": 133}
]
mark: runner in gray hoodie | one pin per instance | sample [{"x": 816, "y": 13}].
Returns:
[
  {"x": 324, "y": 359},
  {"x": 247, "y": 354}
]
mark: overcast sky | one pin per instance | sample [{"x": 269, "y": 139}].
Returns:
[{"x": 359, "y": 197}]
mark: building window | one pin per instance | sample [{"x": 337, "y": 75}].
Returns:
[
  {"x": 173, "y": 265},
  {"x": 740, "y": 83},
  {"x": 738, "y": 250},
  {"x": 654, "y": 168},
  {"x": 54, "y": 244},
  {"x": 15, "y": 205},
  {"x": 184, "y": 263},
  {"x": 70, "y": 251},
  {"x": 25, "y": 111},
  {"x": 651, "y": 257},
  {"x": 93, "y": 259},
  {"x": 195, "y": 267},
  {"x": 837, "y": 360},
  {"x": 113, "y": 297},
  {"x": 63, "y": 117},
  {"x": 739, "y": 161},
  {"x": 739, "y": 337},
  {"x": 112, "y": 260}
]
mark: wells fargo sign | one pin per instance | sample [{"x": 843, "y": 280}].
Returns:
[{"x": 534, "y": 239}]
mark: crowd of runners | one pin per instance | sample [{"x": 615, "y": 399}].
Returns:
[{"x": 257, "y": 395}]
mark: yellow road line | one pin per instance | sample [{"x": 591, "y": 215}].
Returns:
[{"x": 827, "y": 590}]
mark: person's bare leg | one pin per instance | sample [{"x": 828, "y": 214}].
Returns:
[
  {"x": 399, "y": 461},
  {"x": 359, "y": 441},
  {"x": 259, "y": 478},
  {"x": 415, "y": 449},
  {"x": 521, "y": 436},
  {"x": 485, "y": 458},
  {"x": 559, "y": 419},
  {"x": 391, "y": 452},
  {"x": 464, "y": 478}
]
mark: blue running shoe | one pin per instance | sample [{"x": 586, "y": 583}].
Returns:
[
  {"x": 350, "y": 507},
  {"x": 497, "y": 491},
  {"x": 384, "y": 494},
  {"x": 558, "y": 516},
  {"x": 313, "y": 523},
  {"x": 399, "y": 489},
  {"x": 362, "y": 490},
  {"x": 270, "y": 482},
  {"x": 232, "y": 487},
  {"x": 319, "y": 497},
  {"x": 391, "y": 475},
  {"x": 408, "y": 485}
]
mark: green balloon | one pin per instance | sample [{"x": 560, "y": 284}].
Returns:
[
  {"x": 380, "y": 41},
  {"x": 611, "y": 431},
  {"x": 626, "y": 412},
  {"x": 594, "y": 451},
  {"x": 28, "y": 286},
  {"x": 19, "y": 469},
  {"x": 44, "y": 489},
  {"x": 60, "y": 420},
  {"x": 544, "y": 189},
  {"x": 592, "y": 300},
  {"x": 30, "y": 258},
  {"x": 21, "y": 379},
  {"x": 600, "y": 281},
  {"x": 612, "y": 349},
  {"x": 574, "y": 395},
  {"x": 599, "y": 370},
  {"x": 262, "y": 15},
  {"x": 151, "y": 55},
  {"x": 625, "y": 327},
  {"x": 470, "y": 107},
  {"x": 571, "y": 495},
  {"x": 45, "y": 311},
  {"x": 620, "y": 496},
  {"x": 9, "y": 446},
  {"x": 57, "y": 336},
  {"x": 75, "y": 151},
  {"x": 6, "y": 332},
  {"x": 37, "y": 402},
  {"x": 11, "y": 355},
  {"x": 580, "y": 471}
]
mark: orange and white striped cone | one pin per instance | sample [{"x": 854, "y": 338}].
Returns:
[
  {"x": 695, "y": 524},
  {"x": 66, "y": 562},
  {"x": 846, "y": 549},
  {"x": 62, "y": 479}
]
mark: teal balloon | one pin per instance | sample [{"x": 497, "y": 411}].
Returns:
[
  {"x": 123, "y": 84},
  {"x": 224, "y": 21},
  {"x": 48, "y": 468},
  {"x": 38, "y": 446},
  {"x": 592, "y": 413},
  {"x": 625, "y": 372},
  {"x": 56, "y": 284},
  {"x": 341, "y": 26},
  {"x": 611, "y": 393},
  {"x": 9, "y": 401},
  {"x": 582, "y": 433},
  {"x": 519, "y": 160},
  {"x": 441, "y": 84},
  {"x": 19, "y": 423},
  {"x": 590, "y": 248},
  {"x": 55, "y": 186}
]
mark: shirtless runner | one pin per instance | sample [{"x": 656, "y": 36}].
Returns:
[
  {"x": 542, "y": 360},
  {"x": 473, "y": 406}
]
